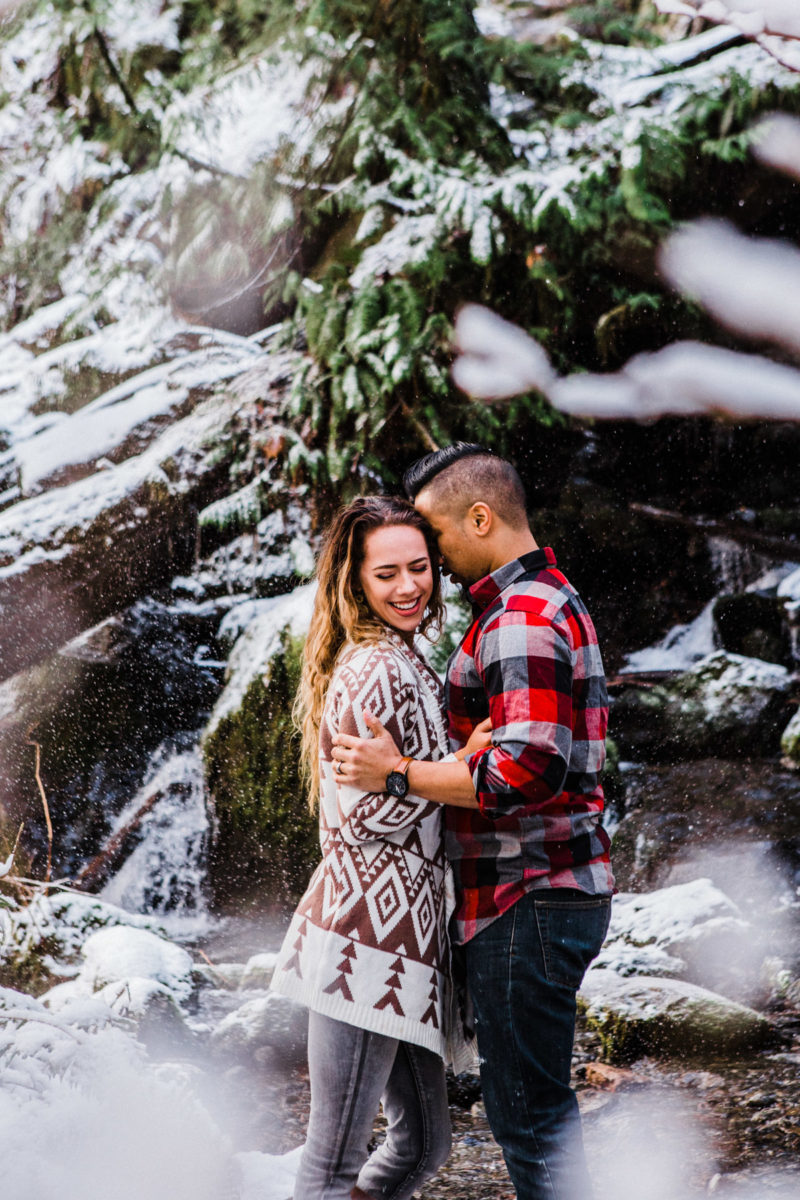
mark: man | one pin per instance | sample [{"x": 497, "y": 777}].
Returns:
[{"x": 523, "y": 815}]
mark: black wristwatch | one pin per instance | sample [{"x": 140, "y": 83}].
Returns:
[{"x": 397, "y": 779}]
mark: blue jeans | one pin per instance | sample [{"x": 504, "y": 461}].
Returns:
[
  {"x": 523, "y": 972},
  {"x": 352, "y": 1071}
]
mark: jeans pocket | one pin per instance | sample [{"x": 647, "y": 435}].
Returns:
[{"x": 571, "y": 935}]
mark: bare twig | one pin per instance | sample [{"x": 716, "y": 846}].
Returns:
[
  {"x": 45, "y": 805},
  {"x": 425, "y": 434},
  {"x": 228, "y": 982}
]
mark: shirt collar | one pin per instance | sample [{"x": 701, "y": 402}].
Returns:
[{"x": 489, "y": 588}]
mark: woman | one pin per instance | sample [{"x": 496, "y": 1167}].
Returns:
[{"x": 367, "y": 947}]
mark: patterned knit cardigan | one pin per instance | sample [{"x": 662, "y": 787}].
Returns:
[{"x": 368, "y": 942}]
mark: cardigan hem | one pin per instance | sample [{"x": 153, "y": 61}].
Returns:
[{"x": 389, "y": 1024}]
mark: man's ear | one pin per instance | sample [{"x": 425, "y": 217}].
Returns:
[{"x": 481, "y": 519}]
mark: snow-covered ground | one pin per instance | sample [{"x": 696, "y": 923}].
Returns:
[{"x": 85, "y": 1112}]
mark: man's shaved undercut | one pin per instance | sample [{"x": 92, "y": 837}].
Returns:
[{"x": 465, "y": 474}]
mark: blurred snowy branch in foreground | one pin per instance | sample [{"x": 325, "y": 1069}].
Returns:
[
  {"x": 774, "y": 24},
  {"x": 684, "y": 379},
  {"x": 778, "y": 144},
  {"x": 752, "y": 286}
]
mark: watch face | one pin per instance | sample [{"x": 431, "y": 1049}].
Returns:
[{"x": 396, "y": 784}]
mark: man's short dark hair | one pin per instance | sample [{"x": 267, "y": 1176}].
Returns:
[
  {"x": 421, "y": 472},
  {"x": 465, "y": 473}
]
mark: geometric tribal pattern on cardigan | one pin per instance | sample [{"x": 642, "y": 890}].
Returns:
[{"x": 368, "y": 942}]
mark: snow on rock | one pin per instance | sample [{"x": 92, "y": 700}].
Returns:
[
  {"x": 789, "y": 586},
  {"x": 55, "y": 925},
  {"x": 260, "y": 640},
  {"x": 269, "y": 1028},
  {"x": 121, "y": 953},
  {"x": 733, "y": 688},
  {"x": 258, "y": 970},
  {"x": 103, "y": 427},
  {"x": 647, "y": 1015},
  {"x": 272, "y": 557},
  {"x": 725, "y": 704},
  {"x": 45, "y": 526},
  {"x": 36, "y": 330},
  {"x": 691, "y": 930},
  {"x": 77, "y": 553}
]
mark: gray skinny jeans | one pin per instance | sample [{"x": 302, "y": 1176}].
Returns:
[{"x": 351, "y": 1071}]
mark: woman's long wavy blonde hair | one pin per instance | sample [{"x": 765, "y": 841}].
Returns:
[{"x": 341, "y": 613}]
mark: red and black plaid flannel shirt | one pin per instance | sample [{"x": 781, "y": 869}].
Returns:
[{"x": 530, "y": 662}]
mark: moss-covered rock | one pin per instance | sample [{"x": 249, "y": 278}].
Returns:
[
  {"x": 754, "y": 625},
  {"x": 648, "y": 1015},
  {"x": 726, "y": 705},
  {"x": 790, "y": 741},
  {"x": 265, "y": 841}
]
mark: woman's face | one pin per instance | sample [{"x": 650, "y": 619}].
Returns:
[{"x": 396, "y": 576}]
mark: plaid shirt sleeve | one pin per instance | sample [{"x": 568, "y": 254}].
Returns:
[{"x": 525, "y": 664}]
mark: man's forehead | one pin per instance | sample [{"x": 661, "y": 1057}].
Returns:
[{"x": 429, "y": 504}]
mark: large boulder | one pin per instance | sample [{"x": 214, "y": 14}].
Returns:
[
  {"x": 691, "y": 931},
  {"x": 80, "y": 552},
  {"x": 731, "y": 820},
  {"x": 99, "y": 708},
  {"x": 755, "y": 625},
  {"x": 269, "y": 1029},
  {"x": 644, "y": 1014},
  {"x": 726, "y": 705},
  {"x": 42, "y": 941},
  {"x": 790, "y": 741}
]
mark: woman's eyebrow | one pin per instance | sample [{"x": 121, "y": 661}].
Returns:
[{"x": 391, "y": 566}]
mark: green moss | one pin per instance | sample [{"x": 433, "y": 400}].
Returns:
[
  {"x": 266, "y": 841},
  {"x": 32, "y": 268},
  {"x": 790, "y": 741},
  {"x": 658, "y": 1018}
]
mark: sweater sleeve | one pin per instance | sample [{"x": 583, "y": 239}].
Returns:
[{"x": 373, "y": 683}]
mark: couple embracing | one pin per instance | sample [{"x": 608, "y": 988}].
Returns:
[{"x": 493, "y": 786}]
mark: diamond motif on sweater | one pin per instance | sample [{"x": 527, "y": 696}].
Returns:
[
  {"x": 423, "y": 914},
  {"x": 387, "y": 902}
]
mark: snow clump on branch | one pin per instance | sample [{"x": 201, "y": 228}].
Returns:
[{"x": 752, "y": 286}]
